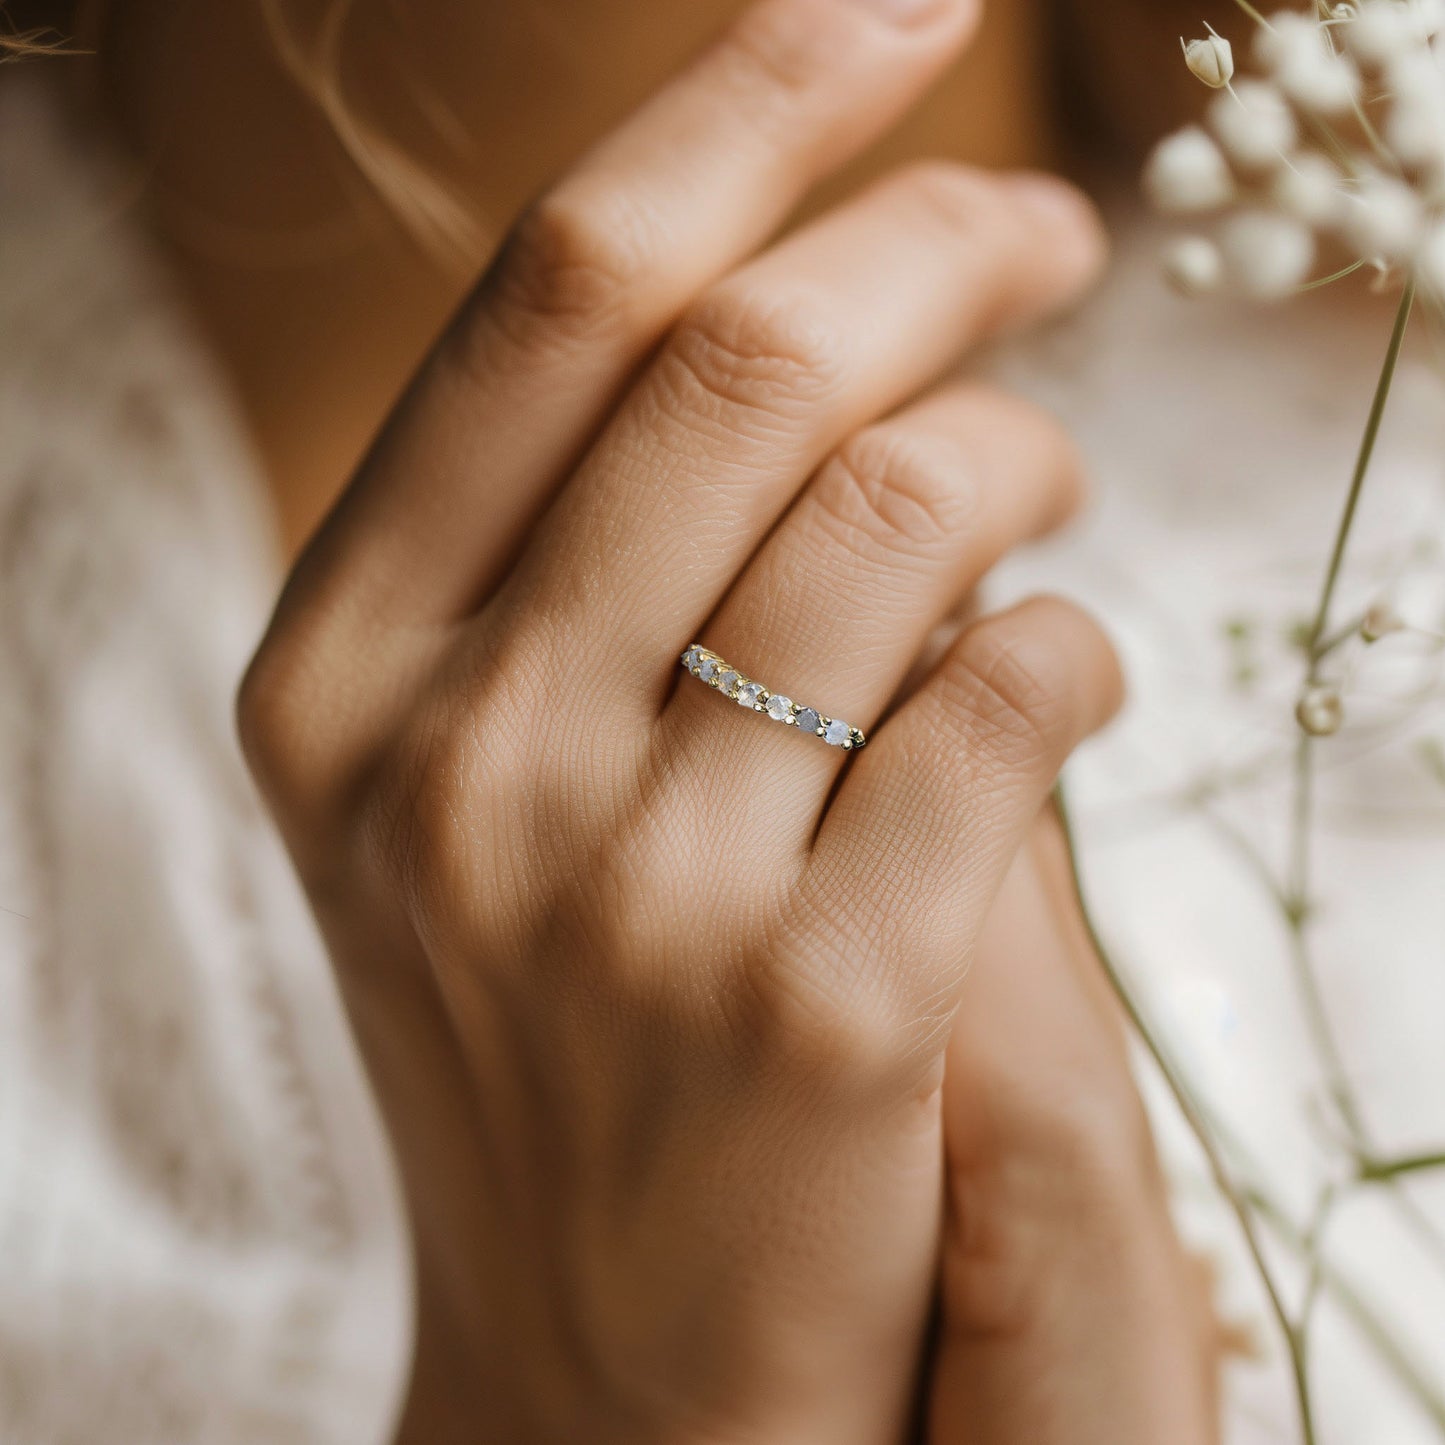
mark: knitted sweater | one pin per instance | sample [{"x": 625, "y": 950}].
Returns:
[{"x": 201, "y": 1238}]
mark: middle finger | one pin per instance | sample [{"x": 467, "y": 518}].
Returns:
[{"x": 765, "y": 376}]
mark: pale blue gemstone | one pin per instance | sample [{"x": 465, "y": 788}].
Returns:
[
  {"x": 728, "y": 681},
  {"x": 809, "y": 721},
  {"x": 708, "y": 668},
  {"x": 749, "y": 693},
  {"x": 779, "y": 707},
  {"x": 689, "y": 658},
  {"x": 837, "y": 733}
]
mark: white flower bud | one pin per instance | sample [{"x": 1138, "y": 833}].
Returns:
[
  {"x": 1380, "y": 621},
  {"x": 1414, "y": 75},
  {"x": 1211, "y": 60},
  {"x": 1321, "y": 711},
  {"x": 1187, "y": 172},
  {"x": 1287, "y": 34},
  {"x": 1310, "y": 189},
  {"x": 1193, "y": 266},
  {"x": 1266, "y": 255},
  {"x": 1321, "y": 84},
  {"x": 1379, "y": 33},
  {"x": 1383, "y": 220},
  {"x": 1430, "y": 262},
  {"x": 1254, "y": 124},
  {"x": 1305, "y": 66},
  {"x": 1414, "y": 128},
  {"x": 1428, "y": 17}
]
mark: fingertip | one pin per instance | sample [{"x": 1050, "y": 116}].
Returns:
[
  {"x": 1070, "y": 221},
  {"x": 1099, "y": 670}
]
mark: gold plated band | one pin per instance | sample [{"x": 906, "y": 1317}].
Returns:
[{"x": 708, "y": 667}]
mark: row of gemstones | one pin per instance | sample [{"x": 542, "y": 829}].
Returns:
[{"x": 727, "y": 680}]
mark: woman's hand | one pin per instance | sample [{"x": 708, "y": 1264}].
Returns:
[
  {"x": 1069, "y": 1312},
  {"x": 656, "y": 992}
]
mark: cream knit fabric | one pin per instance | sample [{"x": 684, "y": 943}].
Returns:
[{"x": 200, "y": 1233}]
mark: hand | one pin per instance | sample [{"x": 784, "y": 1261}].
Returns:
[
  {"x": 1070, "y": 1314},
  {"x": 654, "y": 992}
]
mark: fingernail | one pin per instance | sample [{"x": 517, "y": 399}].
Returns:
[{"x": 905, "y": 12}]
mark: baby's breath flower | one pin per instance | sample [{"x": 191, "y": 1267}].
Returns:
[
  {"x": 1254, "y": 124},
  {"x": 1383, "y": 220},
  {"x": 1374, "y": 183},
  {"x": 1193, "y": 265},
  {"x": 1294, "y": 49},
  {"x": 1430, "y": 263},
  {"x": 1321, "y": 711},
  {"x": 1380, "y": 621},
  {"x": 1380, "y": 30},
  {"x": 1210, "y": 59},
  {"x": 1188, "y": 173},
  {"x": 1266, "y": 255},
  {"x": 1310, "y": 188}
]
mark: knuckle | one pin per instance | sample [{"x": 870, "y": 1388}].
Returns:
[
  {"x": 823, "y": 1033},
  {"x": 432, "y": 798},
  {"x": 572, "y": 261},
  {"x": 834, "y": 1010},
  {"x": 749, "y": 351},
  {"x": 1006, "y": 687},
  {"x": 894, "y": 490},
  {"x": 289, "y": 758}
]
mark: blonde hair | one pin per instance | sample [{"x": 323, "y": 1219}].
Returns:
[{"x": 427, "y": 208}]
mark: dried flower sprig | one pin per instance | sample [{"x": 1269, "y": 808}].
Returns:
[{"x": 1335, "y": 144}]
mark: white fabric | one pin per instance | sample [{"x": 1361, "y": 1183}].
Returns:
[{"x": 201, "y": 1239}]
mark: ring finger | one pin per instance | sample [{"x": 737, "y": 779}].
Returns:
[{"x": 889, "y": 536}]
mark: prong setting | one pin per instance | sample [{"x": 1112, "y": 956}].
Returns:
[{"x": 723, "y": 677}]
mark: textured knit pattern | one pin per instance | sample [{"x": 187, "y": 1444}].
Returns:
[{"x": 200, "y": 1235}]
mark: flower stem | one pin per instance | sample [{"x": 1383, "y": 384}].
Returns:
[
  {"x": 1357, "y": 480},
  {"x": 1298, "y": 916},
  {"x": 1253, "y": 14},
  {"x": 1317, "y": 648},
  {"x": 1374, "y": 1170},
  {"x": 1332, "y": 277}
]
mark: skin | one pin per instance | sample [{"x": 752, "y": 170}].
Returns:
[{"x": 711, "y": 1055}]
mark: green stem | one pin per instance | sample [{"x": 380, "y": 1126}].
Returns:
[
  {"x": 1357, "y": 480},
  {"x": 1352, "y": 1302},
  {"x": 1298, "y": 916},
  {"x": 1199, "y": 1126},
  {"x": 1375, "y": 1171},
  {"x": 1332, "y": 277}
]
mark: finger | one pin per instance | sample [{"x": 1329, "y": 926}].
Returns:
[
  {"x": 596, "y": 271},
  {"x": 891, "y": 534},
  {"x": 940, "y": 801},
  {"x": 1051, "y": 850},
  {"x": 765, "y": 376}
]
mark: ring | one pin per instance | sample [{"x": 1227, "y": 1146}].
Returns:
[{"x": 726, "y": 679}]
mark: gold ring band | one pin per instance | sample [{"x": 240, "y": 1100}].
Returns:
[{"x": 708, "y": 667}]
